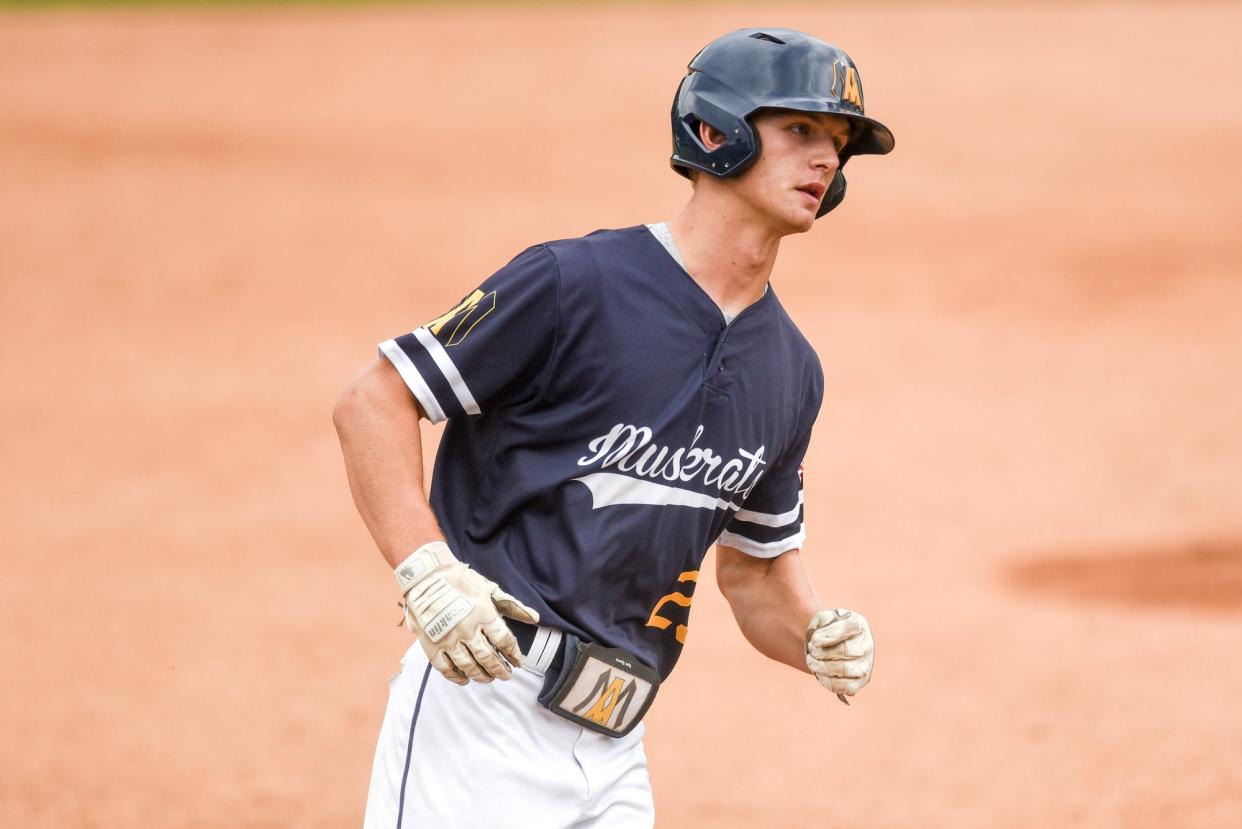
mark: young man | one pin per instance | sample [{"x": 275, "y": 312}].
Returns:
[{"x": 616, "y": 404}]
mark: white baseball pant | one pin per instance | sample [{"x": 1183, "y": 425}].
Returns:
[{"x": 490, "y": 757}]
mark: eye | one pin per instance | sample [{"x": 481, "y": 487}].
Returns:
[{"x": 800, "y": 128}]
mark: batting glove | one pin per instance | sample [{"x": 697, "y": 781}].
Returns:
[
  {"x": 840, "y": 650},
  {"x": 456, "y": 614}
]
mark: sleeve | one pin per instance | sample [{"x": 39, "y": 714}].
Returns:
[
  {"x": 771, "y": 519},
  {"x": 491, "y": 349}
]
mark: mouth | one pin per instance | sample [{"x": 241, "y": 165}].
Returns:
[{"x": 814, "y": 190}]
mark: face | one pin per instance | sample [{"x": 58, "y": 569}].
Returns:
[{"x": 799, "y": 155}]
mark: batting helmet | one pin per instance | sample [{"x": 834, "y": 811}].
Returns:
[{"x": 742, "y": 72}]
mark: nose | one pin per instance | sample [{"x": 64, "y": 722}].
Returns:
[{"x": 826, "y": 158}]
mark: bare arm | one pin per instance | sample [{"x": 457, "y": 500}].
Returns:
[
  {"x": 772, "y": 601},
  {"x": 377, "y": 420}
]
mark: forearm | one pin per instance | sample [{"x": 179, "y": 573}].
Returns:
[
  {"x": 377, "y": 422},
  {"x": 772, "y": 601}
]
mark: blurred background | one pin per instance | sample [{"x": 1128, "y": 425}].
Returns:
[{"x": 1028, "y": 471}]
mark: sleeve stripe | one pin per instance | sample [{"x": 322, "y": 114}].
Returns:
[
  {"x": 770, "y": 550},
  {"x": 405, "y": 367},
  {"x": 455, "y": 380},
  {"x": 768, "y": 519}
]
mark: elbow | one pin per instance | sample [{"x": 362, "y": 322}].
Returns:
[
  {"x": 725, "y": 581},
  {"x": 378, "y": 392},
  {"x": 342, "y": 412},
  {"x": 738, "y": 574},
  {"x": 734, "y": 571},
  {"x": 348, "y": 406}
]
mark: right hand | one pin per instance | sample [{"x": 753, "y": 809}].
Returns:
[{"x": 456, "y": 614}]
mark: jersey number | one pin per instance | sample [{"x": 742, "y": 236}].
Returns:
[{"x": 677, "y": 598}]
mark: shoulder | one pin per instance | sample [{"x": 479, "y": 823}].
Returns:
[
  {"x": 589, "y": 255},
  {"x": 571, "y": 273},
  {"x": 599, "y": 240},
  {"x": 797, "y": 351}
]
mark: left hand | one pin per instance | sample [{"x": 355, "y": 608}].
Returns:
[{"x": 840, "y": 650}]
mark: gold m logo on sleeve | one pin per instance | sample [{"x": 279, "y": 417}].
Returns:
[
  {"x": 607, "y": 692},
  {"x": 461, "y": 319}
]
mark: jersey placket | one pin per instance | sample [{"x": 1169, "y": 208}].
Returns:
[
  {"x": 720, "y": 366},
  {"x": 716, "y": 363}
]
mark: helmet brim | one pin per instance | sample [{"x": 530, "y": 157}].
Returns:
[{"x": 867, "y": 135}]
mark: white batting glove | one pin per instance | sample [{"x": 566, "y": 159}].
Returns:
[
  {"x": 456, "y": 614},
  {"x": 840, "y": 651}
]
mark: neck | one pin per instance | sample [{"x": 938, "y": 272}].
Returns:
[{"x": 730, "y": 255}]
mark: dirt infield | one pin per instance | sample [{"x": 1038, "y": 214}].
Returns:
[{"x": 1028, "y": 472}]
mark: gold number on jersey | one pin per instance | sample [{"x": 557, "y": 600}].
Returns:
[{"x": 677, "y": 598}]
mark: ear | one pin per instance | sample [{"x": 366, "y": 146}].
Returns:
[{"x": 712, "y": 138}]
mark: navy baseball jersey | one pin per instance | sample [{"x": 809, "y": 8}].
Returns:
[{"x": 606, "y": 427}]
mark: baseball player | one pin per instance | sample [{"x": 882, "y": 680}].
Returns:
[{"x": 616, "y": 404}]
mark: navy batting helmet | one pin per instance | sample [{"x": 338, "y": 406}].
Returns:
[{"x": 751, "y": 69}]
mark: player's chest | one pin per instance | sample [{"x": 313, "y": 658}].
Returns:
[{"x": 663, "y": 397}]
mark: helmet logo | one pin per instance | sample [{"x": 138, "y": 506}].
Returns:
[{"x": 852, "y": 91}]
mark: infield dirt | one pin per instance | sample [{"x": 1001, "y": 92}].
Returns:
[{"x": 1028, "y": 471}]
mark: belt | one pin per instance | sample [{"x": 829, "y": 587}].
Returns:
[{"x": 541, "y": 646}]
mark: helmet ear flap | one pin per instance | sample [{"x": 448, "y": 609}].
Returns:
[
  {"x": 702, "y": 99},
  {"x": 835, "y": 194},
  {"x": 756, "y": 141}
]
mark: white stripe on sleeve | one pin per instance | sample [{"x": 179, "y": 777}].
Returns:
[
  {"x": 449, "y": 370},
  {"x": 768, "y": 519},
  {"x": 770, "y": 550},
  {"x": 405, "y": 367}
]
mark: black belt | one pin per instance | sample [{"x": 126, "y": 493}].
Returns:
[{"x": 525, "y": 635}]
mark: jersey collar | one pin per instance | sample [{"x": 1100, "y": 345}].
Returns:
[{"x": 689, "y": 294}]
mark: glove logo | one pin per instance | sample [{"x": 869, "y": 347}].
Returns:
[{"x": 447, "y": 618}]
